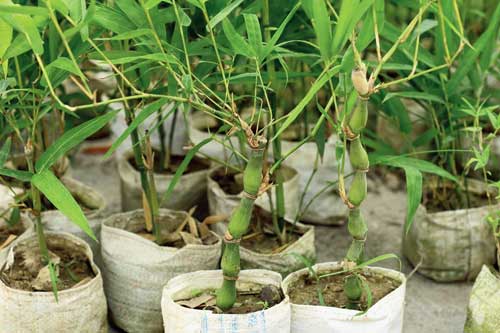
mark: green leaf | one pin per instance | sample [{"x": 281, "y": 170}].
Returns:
[
  {"x": 238, "y": 43},
  {"x": 71, "y": 139},
  {"x": 5, "y": 151},
  {"x": 378, "y": 259},
  {"x": 23, "y": 176},
  {"x": 130, "y": 34},
  {"x": 254, "y": 33},
  {"x": 313, "y": 90},
  {"x": 53, "y": 279},
  {"x": 180, "y": 171},
  {"x": 23, "y": 10},
  {"x": 113, "y": 20},
  {"x": 26, "y": 25},
  {"x": 6, "y": 33},
  {"x": 468, "y": 59},
  {"x": 320, "y": 137},
  {"x": 414, "y": 95},
  {"x": 139, "y": 119},
  {"x": 64, "y": 64},
  {"x": 15, "y": 217},
  {"x": 61, "y": 198},
  {"x": 321, "y": 22},
  {"x": 223, "y": 14},
  {"x": 405, "y": 162},
  {"x": 414, "y": 194},
  {"x": 276, "y": 36}
]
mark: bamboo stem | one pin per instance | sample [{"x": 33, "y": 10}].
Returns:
[
  {"x": 238, "y": 226},
  {"x": 357, "y": 227}
]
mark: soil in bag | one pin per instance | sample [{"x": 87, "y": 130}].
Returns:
[
  {"x": 256, "y": 299},
  {"x": 7, "y": 231},
  {"x": 261, "y": 237},
  {"x": 443, "y": 195},
  {"x": 186, "y": 232},
  {"x": 29, "y": 273},
  {"x": 305, "y": 289}
]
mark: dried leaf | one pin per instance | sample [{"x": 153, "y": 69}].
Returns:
[
  {"x": 195, "y": 302},
  {"x": 8, "y": 241},
  {"x": 189, "y": 238}
]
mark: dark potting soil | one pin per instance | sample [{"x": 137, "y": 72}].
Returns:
[
  {"x": 305, "y": 289},
  {"x": 6, "y": 231},
  {"x": 74, "y": 266},
  {"x": 246, "y": 301},
  {"x": 196, "y": 164},
  {"x": 228, "y": 181},
  {"x": 267, "y": 243},
  {"x": 445, "y": 196}
]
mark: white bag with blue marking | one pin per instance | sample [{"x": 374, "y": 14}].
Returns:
[{"x": 179, "y": 319}]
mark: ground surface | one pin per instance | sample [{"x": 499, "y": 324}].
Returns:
[{"x": 430, "y": 307}]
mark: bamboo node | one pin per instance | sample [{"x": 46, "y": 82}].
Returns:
[
  {"x": 250, "y": 196},
  {"x": 230, "y": 278},
  {"x": 229, "y": 239},
  {"x": 350, "y": 135}
]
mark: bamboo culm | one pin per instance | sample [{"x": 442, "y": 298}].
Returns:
[
  {"x": 238, "y": 226},
  {"x": 357, "y": 226}
]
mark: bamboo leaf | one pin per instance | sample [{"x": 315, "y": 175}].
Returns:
[
  {"x": 223, "y": 14},
  {"x": 23, "y": 10},
  {"x": 139, "y": 119},
  {"x": 71, "y": 139},
  {"x": 276, "y": 36},
  {"x": 180, "y": 171},
  {"x": 405, "y": 162},
  {"x": 321, "y": 22},
  {"x": 414, "y": 95},
  {"x": 238, "y": 43},
  {"x": 414, "y": 194},
  {"x": 61, "y": 198},
  {"x": 112, "y": 19},
  {"x": 23, "y": 176},
  {"x": 468, "y": 59},
  {"x": 5, "y": 151},
  {"x": 254, "y": 33},
  {"x": 26, "y": 25},
  {"x": 313, "y": 90}
]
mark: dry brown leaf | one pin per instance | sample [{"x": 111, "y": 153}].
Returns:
[
  {"x": 209, "y": 220},
  {"x": 8, "y": 241},
  {"x": 195, "y": 302},
  {"x": 147, "y": 213},
  {"x": 189, "y": 238}
]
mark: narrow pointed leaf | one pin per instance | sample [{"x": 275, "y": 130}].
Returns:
[
  {"x": 414, "y": 194},
  {"x": 5, "y": 151},
  {"x": 71, "y": 139},
  {"x": 61, "y": 198}
]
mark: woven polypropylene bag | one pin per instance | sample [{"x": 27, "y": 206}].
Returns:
[
  {"x": 81, "y": 309},
  {"x": 136, "y": 269},
  {"x": 385, "y": 316},
  {"x": 179, "y": 319}
]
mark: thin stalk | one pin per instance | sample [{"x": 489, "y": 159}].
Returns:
[
  {"x": 37, "y": 207},
  {"x": 279, "y": 212}
]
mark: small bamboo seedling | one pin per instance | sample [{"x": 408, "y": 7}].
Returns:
[
  {"x": 353, "y": 128},
  {"x": 240, "y": 220}
]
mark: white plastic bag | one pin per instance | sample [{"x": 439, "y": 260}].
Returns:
[
  {"x": 179, "y": 319},
  {"x": 450, "y": 245},
  {"x": 385, "y": 316},
  {"x": 136, "y": 269},
  {"x": 81, "y": 309},
  {"x": 483, "y": 313}
]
